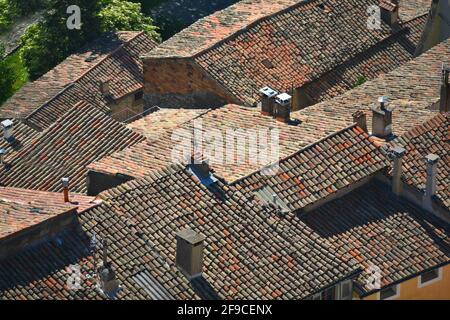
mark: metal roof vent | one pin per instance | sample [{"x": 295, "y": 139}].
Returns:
[
  {"x": 270, "y": 198},
  {"x": 91, "y": 57},
  {"x": 202, "y": 172},
  {"x": 65, "y": 184}
]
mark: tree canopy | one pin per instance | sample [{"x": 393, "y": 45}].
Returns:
[
  {"x": 7, "y": 77},
  {"x": 50, "y": 41}
]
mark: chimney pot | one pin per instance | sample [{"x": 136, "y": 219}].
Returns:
[
  {"x": 105, "y": 87},
  {"x": 359, "y": 117},
  {"x": 267, "y": 100},
  {"x": 397, "y": 153},
  {"x": 382, "y": 100},
  {"x": 431, "y": 161},
  {"x": 7, "y": 126},
  {"x": 282, "y": 111},
  {"x": 390, "y": 12},
  {"x": 65, "y": 184},
  {"x": 189, "y": 256},
  {"x": 381, "y": 119},
  {"x": 445, "y": 89}
]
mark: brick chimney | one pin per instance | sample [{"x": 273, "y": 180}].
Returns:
[
  {"x": 282, "y": 110},
  {"x": 189, "y": 256},
  {"x": 381, "y": 119},
  {"x": 390, "y": 12},
  {"x": 65, "y": 184},
  {"x": 397, "y": 154},
  {"x": 267, "y": 100},
  {"x": 359, "y": 117},
  {"x": 105, "y": 87},
  {"x": 7, "y": 126},
  {"x": 431, "y": 161},
  {"x": 445, "y": 89}
]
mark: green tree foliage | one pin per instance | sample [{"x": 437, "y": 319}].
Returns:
[
  {"x": 47, "y": 43},
  {"x": 125, "y": 15},
  {"x": 7, "y": 77},
  {"x": 7, "y": 14},
  {"x": 25, "y": 7}
]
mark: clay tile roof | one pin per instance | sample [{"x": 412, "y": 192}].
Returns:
[
  {"x": 381, "y": 59},
  {"x": 410, "y": 9},
  {"x": 382, "y": 232},
  {"x": 412, "y": 90},
  {"x": 388, "y": 5},
  {"x": 163, "y": 120},
  {"x": 42, "y": 271},
  {"x": 113, "y": 56},
  {"x": 81, "y": 136},
  {"x": 242, "y": 241},
  {"x": 249, "y": 251},
  {"x": 155, "y": 155},
  {"x": 320, "y": 170},
  {"x": 22, "y": 134},
  {"x": 212, "y": 29},
  {"x": 433, "y": 136},
  {"x": 23, "y": 208},
  {"x": 257, "y": 43}
]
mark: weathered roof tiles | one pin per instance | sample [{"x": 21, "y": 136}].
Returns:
[{"x": 83, "y": 135}]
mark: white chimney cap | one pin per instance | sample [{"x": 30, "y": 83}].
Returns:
[
  {"x": 7, "y": 124},
  {"x": 399, "y": 151},
  {"x": 65, "y": 182},
  {"x": 283, "y": 98},
  {"x": 268, "y": 92},
  {"x": 432, "y": 158},
  {"x": 382, "y": 99}
]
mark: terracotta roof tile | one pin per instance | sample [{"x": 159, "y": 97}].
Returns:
[
  {"x": 246, "y": 246},
  {"x": 288, "y": 44},
  {"x": 320, "y": 170},
  {"x": 22, "y": 208},
  {"x": 113, "y": 56},
  {"x": 22, "y": 135},
  {"x": 412, "y": 90},
  {"x": 381, "y": 230},
  {"x": 83, "y": 135},
  {"x": 433, "y": 136},
  {"x": 163, "y": 120}
]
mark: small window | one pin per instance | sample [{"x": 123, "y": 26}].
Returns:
[
  {"x": 345, "y": 290},
  {"x": 138, "y": 95},
  {"x": 329, "y": 294},
  {"x": 390, "y": 293},
  {"x": 317, "y": 297},
  {"x": 430, "y": 277}
]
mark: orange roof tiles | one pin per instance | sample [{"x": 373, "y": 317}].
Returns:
[{"x": 22, "y": 208}]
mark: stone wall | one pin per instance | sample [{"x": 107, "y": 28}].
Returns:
[{"x": 179, "y": 82}]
